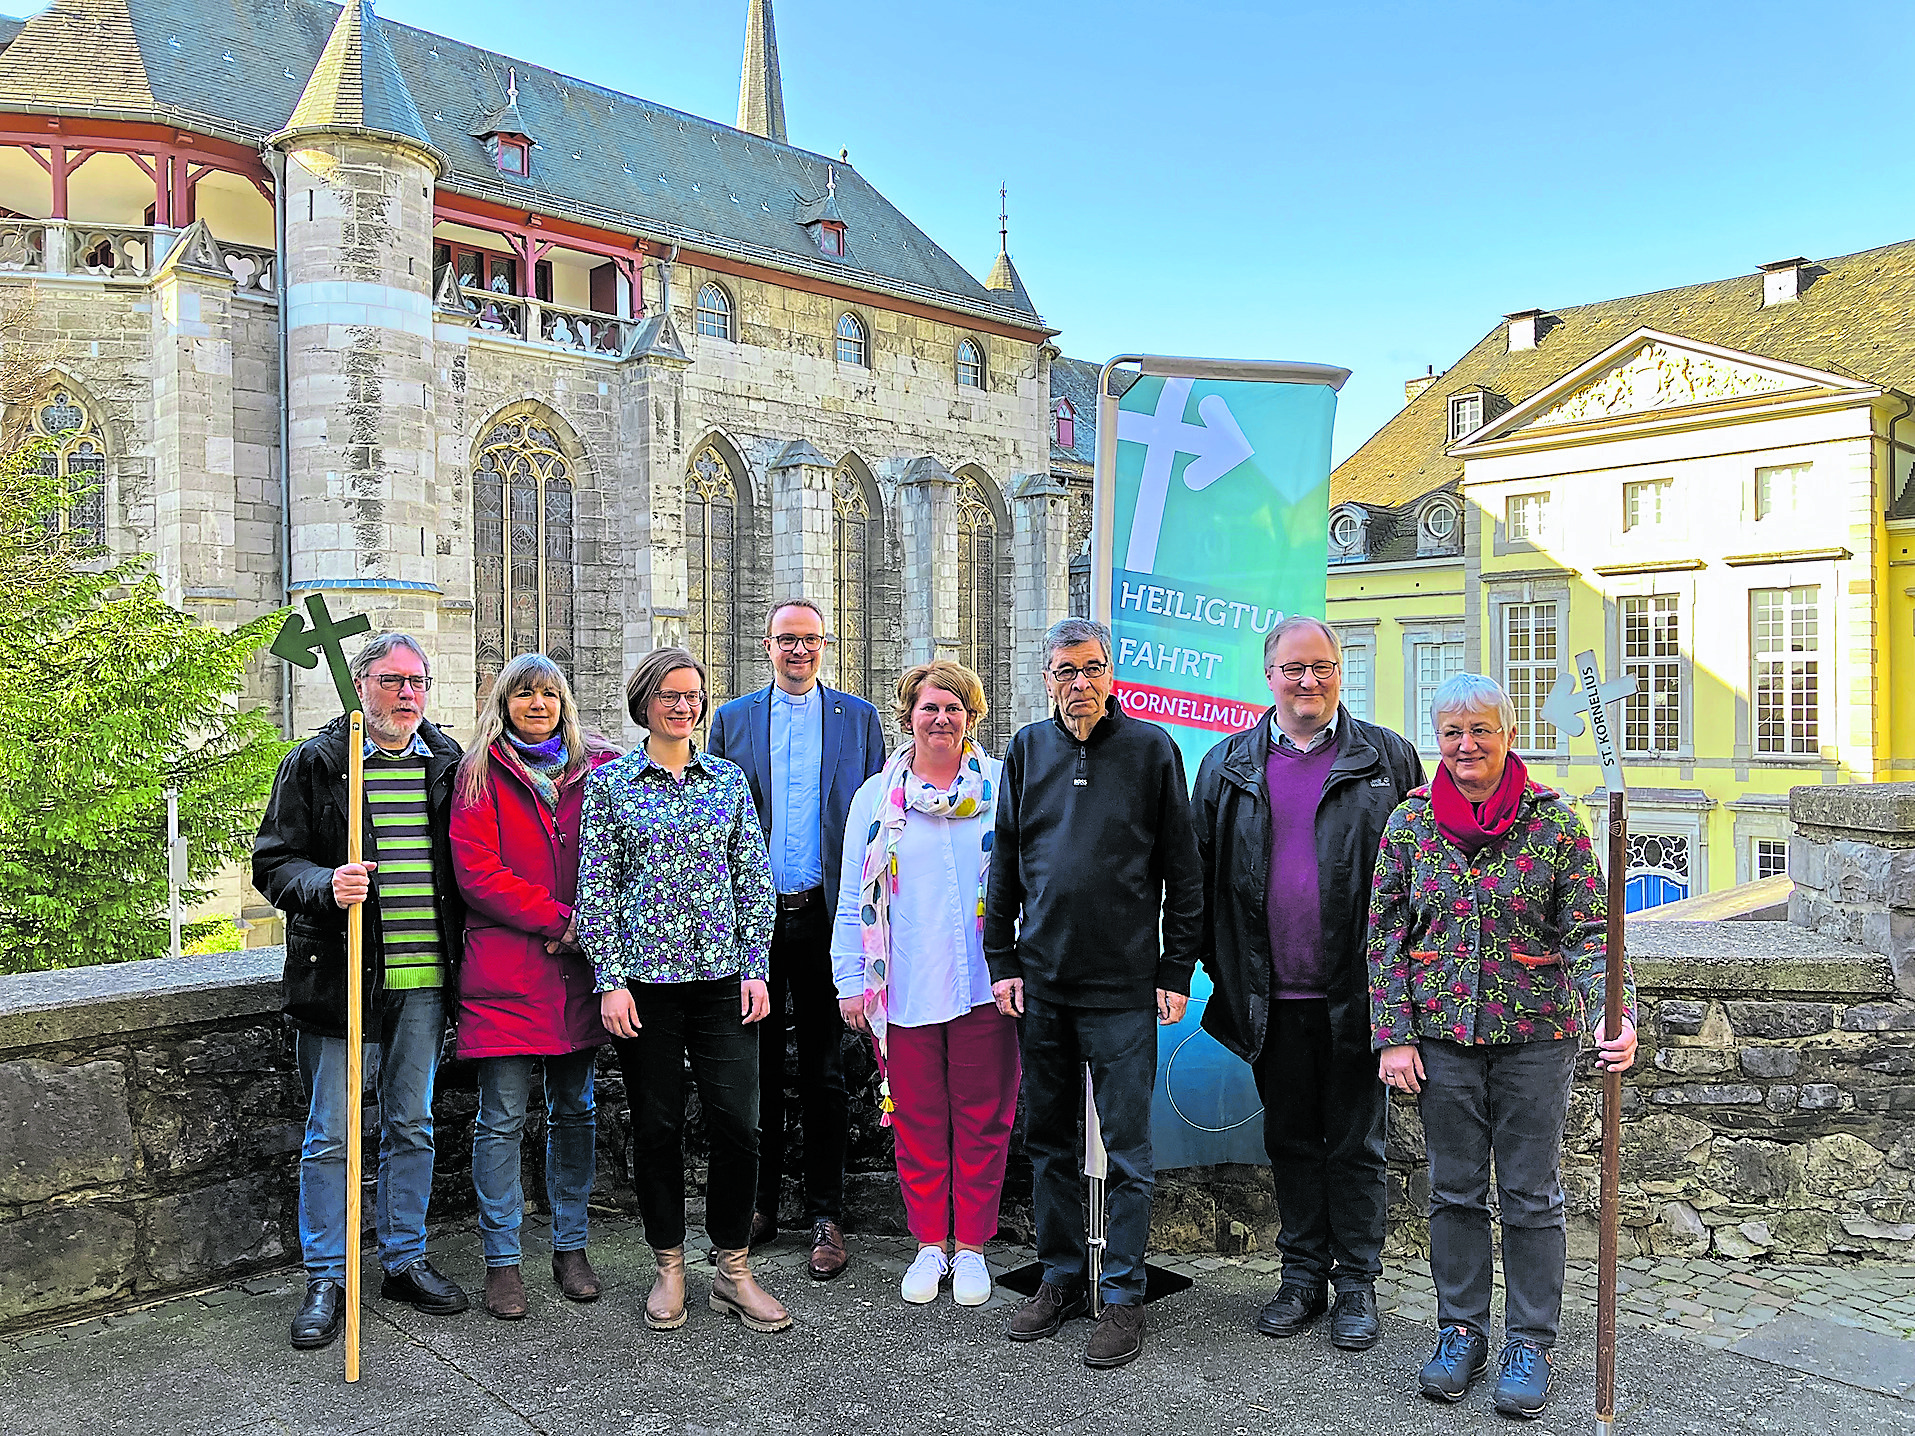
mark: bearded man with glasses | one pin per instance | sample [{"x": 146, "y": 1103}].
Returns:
[
  {"x": 414, "y": 919},
  {"x": 806, "y": 750},
  {"x": 1290, "y": 814}
]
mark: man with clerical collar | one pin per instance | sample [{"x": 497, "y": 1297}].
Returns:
[{"x": 806, "y": 749}]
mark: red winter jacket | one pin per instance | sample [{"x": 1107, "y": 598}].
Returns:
[{"x": 517, "y": 865}]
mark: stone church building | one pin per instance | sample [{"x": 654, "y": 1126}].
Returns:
[{"x": 514, "y": 361}]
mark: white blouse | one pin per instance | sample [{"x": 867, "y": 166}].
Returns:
[{"x": 937, "y": 953}]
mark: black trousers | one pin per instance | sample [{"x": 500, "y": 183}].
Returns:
[
  {"x": 1323, "y": 1114},
  {"x": 801, "y": 970},
  {"x": 700, "y": 1021}
]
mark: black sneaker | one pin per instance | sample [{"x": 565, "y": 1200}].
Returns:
[
  {"x": 1461, "y": 1357},
  {"x": 1354, "y": 1325},
  {"x": 423, "y": 1289},
  {"x": 320, "y": 1315},
  {"x": 1523, "y": 1388},
  {"x": 1041, "y": 1315},
  {"x": 1291, "y": 1309}
]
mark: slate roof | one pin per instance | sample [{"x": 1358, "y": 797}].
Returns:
[
  {"x": 1076, "y": 380},
  {"x": 10, "y": 29},
  {"x": 357, "y": 82},
  {"x": 1857, "y": 318},
  {"x": 1005, "y": 279},
  {"x": 236, "y": 68}
]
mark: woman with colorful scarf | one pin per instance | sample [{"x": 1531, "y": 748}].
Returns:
[
  {"x": 526, "y": 995},
  {"x": 908, "y": 956},
  {"x": 1488, "y": 957}
]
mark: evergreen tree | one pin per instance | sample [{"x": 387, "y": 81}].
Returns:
[{"x": 108, "y": 697}]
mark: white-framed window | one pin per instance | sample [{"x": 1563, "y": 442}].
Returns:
[
  {"x": 1785, "y": 652},
  {"x": 1440, "y": 522},
  {"x": 1524, "y": 516},
  {"x": 1466, "y": 415},
  {"x": 1431, "y": 663},
  {"x": 1781, "y": 489},
  {"x": 1358, "y": 678},
  {"x": 851, "y": 345},
  {"x": 1532, "y": 655},
  {"x": 1646, "y": 503},
  {"x": 1771, "y": 858},
  {"x": 1652, "y": 655},
  {"x": 970, "y": 365},
  {"x": 714, "y": 312},
  {"x": 1345, "y": 530}
]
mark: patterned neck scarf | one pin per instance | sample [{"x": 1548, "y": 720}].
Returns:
[
  {"x": 542, "y": 763},
  {"x": 902, "y": 792}
]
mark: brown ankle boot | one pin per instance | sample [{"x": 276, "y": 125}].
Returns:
[
  {"x": 665, "y": 1307},
  {"x": 504, "y": 1293},
  {"x": 575, "y": 1276},
  {"x": 735, "y": 1290}
]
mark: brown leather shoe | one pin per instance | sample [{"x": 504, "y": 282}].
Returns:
[
  {"x": 764, "y": 1226},
  {"x": 828, "y": 1255},
  {"x": 1118, "y": 1338},
  {"x": 575, "y": 1276},
  {"x": 665, "y": 1307},
  {"x": 734, "y": 1290},
  {"x": 505, "y": 1293}
]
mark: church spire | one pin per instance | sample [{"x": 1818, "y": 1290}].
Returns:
[
  {"x": 761, "y": 91},
  {"x": 1003, "y": 276}
]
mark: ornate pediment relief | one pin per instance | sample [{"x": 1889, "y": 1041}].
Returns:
[{"x": 1658, "y": 377}]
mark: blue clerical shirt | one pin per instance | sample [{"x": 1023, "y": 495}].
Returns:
[{"x": 797, "y": 761}]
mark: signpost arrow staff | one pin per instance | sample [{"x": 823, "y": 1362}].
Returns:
[
  {"x": 1574, "y": 695},
  {"x": 303, "y": 646}
]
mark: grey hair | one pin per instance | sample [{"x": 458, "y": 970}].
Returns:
[
  {"x": 1472, "y": 693},
  {"x": 378, "y": 646},
  {"x": 1069, "y": 632},
  {"x": 1292, "y": 624}
]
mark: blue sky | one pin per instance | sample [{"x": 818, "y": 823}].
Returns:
[{"x": 1365, "y": 184}]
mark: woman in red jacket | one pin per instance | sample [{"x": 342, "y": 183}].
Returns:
[{"x": 526, "y": 996}]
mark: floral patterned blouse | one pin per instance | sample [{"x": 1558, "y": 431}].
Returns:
[
  {"x": 673, "y": 882},
  {"x": 1508, "y": 946}
]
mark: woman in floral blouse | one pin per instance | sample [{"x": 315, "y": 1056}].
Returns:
[
  {"x": 1487, "y": 948},
  {"x": 675, "y": 909}
]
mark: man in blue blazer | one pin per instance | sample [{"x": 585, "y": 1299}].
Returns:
[{"x": 805, "y": 749}]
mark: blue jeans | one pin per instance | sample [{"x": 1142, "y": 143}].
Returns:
[
  {"x": 571, "y": 1135},
  {"x": 1121, "y": 1047},
  {"x": 408, "y": 1057}
]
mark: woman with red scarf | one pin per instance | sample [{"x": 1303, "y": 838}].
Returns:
[{"x": 1488, "y": 957}]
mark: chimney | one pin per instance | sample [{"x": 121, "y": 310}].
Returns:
[
  {"x": 1525, "y": 329},
  {"x": 1413, "y": 387},
  {"x": 1784, "y": 280}
]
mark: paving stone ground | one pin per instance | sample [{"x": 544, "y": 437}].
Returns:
[{"x": 1707, "y": 1348}]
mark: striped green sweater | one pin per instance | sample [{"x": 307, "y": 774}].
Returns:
[{"x": 408, "y": 908}]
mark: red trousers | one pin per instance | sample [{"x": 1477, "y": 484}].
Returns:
[{"x": 954, "y": 1089}]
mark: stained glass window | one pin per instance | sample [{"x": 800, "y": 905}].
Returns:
[
  {"x": 853, "y": 536},
  {"x": 711, "y": 570},
  {"x": 76, "y": 455},
  {"x": 977, "y": 613},
  {"x": 522, "y": 522}
]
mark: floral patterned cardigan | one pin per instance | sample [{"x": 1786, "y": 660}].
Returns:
[{"x": 1508, "y": 946}]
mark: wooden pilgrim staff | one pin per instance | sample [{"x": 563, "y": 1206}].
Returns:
[
  {"x": 302, "y": 646},
  {"x": 1587, "y": 693}
]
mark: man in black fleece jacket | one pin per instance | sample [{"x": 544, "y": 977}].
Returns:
[{"x": 1094, "y": 849}]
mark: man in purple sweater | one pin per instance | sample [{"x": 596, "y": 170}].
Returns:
[{"x": 1289, "y": 817}]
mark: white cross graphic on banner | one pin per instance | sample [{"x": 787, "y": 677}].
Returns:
[{"x": 1217, "y": 446}]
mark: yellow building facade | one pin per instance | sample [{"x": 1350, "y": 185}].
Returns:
[{"x": 1709, "y": 488}]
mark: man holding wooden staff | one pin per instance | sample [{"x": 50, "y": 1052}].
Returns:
[{"x": 413, "y": 920}]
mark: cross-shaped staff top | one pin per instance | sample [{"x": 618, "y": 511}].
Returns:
[
  {"x": 1585, "y": 692},
  {"x": 302, "y": 646}
]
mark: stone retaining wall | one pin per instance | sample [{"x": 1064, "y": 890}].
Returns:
[{"x": 151, "y": 1113}]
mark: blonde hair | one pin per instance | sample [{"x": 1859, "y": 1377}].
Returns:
[
  {"x": 494, "y": 723},
  {"x": 952, "y": 678}
]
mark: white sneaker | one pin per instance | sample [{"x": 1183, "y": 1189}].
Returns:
[
  {"x": 920, "y": 1284},
  {"x": 970, "y": 1280}
]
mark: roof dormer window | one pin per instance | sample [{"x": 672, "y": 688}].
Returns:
[
  {"x": 831, "y": 239},
  {"x": 822, "y": 219},
  {"x": 504, "y": 134},
  {"x": 1439, "y": 528},
  {"x": 1066, "y": 418},
  {"x": 1466, "y": 414},
  {"x": 515, "y": 156},
  {"x": 1349, "y": 533}
]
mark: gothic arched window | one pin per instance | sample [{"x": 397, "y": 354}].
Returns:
[
  {"x": 851, "y": 346},
  {"x": 977, "y": 613},
  {"x": 522, "y": 546},
  {"x": 714, "y": 312},
  {"x": 711, "y": 569},
  {"x": 853, "y": 543},
  {"x": 970, "y": 365},
  {"x": 76, "y": 457}
]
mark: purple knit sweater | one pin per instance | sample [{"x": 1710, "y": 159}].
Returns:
[{"x": 1295, "y": 907}]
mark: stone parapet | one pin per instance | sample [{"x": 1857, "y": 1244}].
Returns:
[{"x": 1853, "y": 862}]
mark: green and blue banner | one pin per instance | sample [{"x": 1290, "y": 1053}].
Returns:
[{"x": 1213, "y": 490}]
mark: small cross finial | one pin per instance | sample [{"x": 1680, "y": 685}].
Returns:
[
  {"x": 1003, "y": 220},
  {"x": 512, "y": 85}
]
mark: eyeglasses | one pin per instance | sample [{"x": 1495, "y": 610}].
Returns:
[
  {"x": 1065, "y": 675},
  {"x": 1324, "y": 671},
  {"x": 792, "y": 642},
  {"x": 1481, "y": 732},
  {"x": 679, "y": 702},
  {"x": 399, "y": 682}
]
